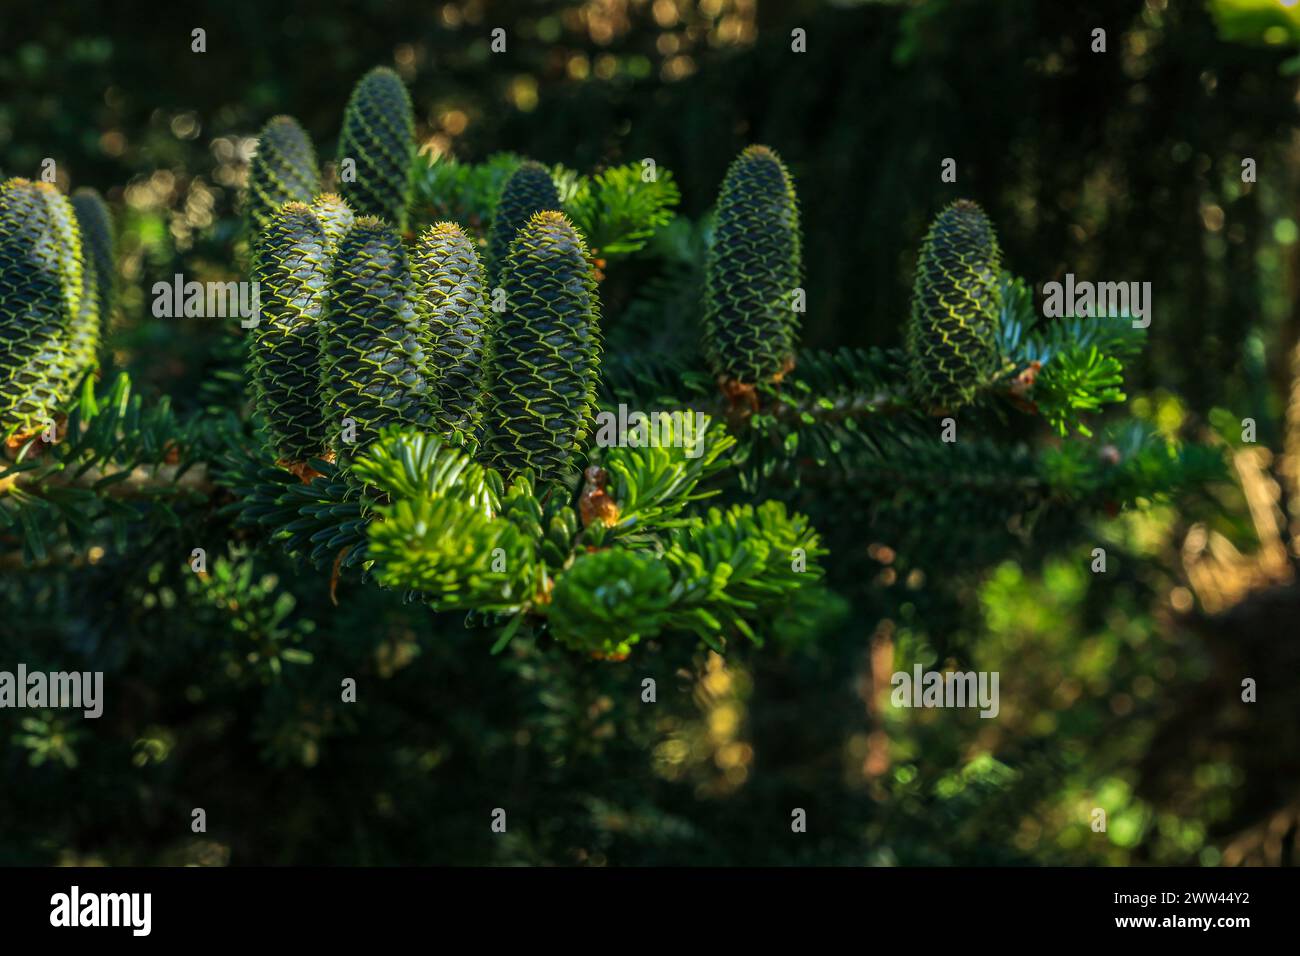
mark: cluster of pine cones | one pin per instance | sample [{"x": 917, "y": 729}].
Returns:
[
  {"x": 56, "y": 295},
  {"x": 358, "y": 332}
]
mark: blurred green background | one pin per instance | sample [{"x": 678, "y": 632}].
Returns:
[{"x": 1119, "y": 691}]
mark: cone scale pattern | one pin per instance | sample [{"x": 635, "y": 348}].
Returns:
[
  {"x": 78, "y": 278},
  {"x": 373, "y": 364},
  {"x": 456, "y": 321},
  {"x": 546, "y": 352},
  {"x": 528, "y": 191},
  {"x": 956, "y": 302},
  {"x": 754, "y": 266},
  {"x": 379, "y": 137},
  {"x": 65, "y": 236},
  {"x": 292, "y": 270},
  {"x": 335, "y": 217},
  {"x": 36, "y": 309},
  {"x": 283, "y": 170}
]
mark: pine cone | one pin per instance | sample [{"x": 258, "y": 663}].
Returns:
[
  {"x": 754, "y": 266},
  {"x": 78, "y": 280},
  {"x": 528, "y": 191},
  {"x": 37, "y": 309},
  {"x": 292, "y": 269},
  {"x": 456, "y": 322},
  {"x": 379, "y": 136},
  {"x": 956, "y": 305},
  {"x": 284, "y": 169},
  {"x": 547, "y": 351},
  {"x": 335, "y": 217},
  {"x": 373, "y": 366}
]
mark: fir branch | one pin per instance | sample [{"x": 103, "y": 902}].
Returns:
[
  {"x": 117, "y": 463},
  {"x": 652, "y": 485},
  {"x": 619, "y": 210}
]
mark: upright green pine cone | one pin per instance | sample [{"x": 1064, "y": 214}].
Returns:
[
  {"x": 956, "y": 303},
  {"x": 754, "y": 267},
  {"x": 292, "y": 269},
  {"x": 373, "y": 364},
  {"x": 99, "y": 248},
  {"x": 78, "y": 281},
  {"x": 529, "y": 190},
  {"x": 546, "y": 353},
  {"x": 283, "y": 170},
  {"x": 335, "y": 217},
  {"x": 36, "y": 310},
  {"x": 379, "y": 137},
  {"x": 454, "y": 316},
  {"x": 64, "y": 245}
]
